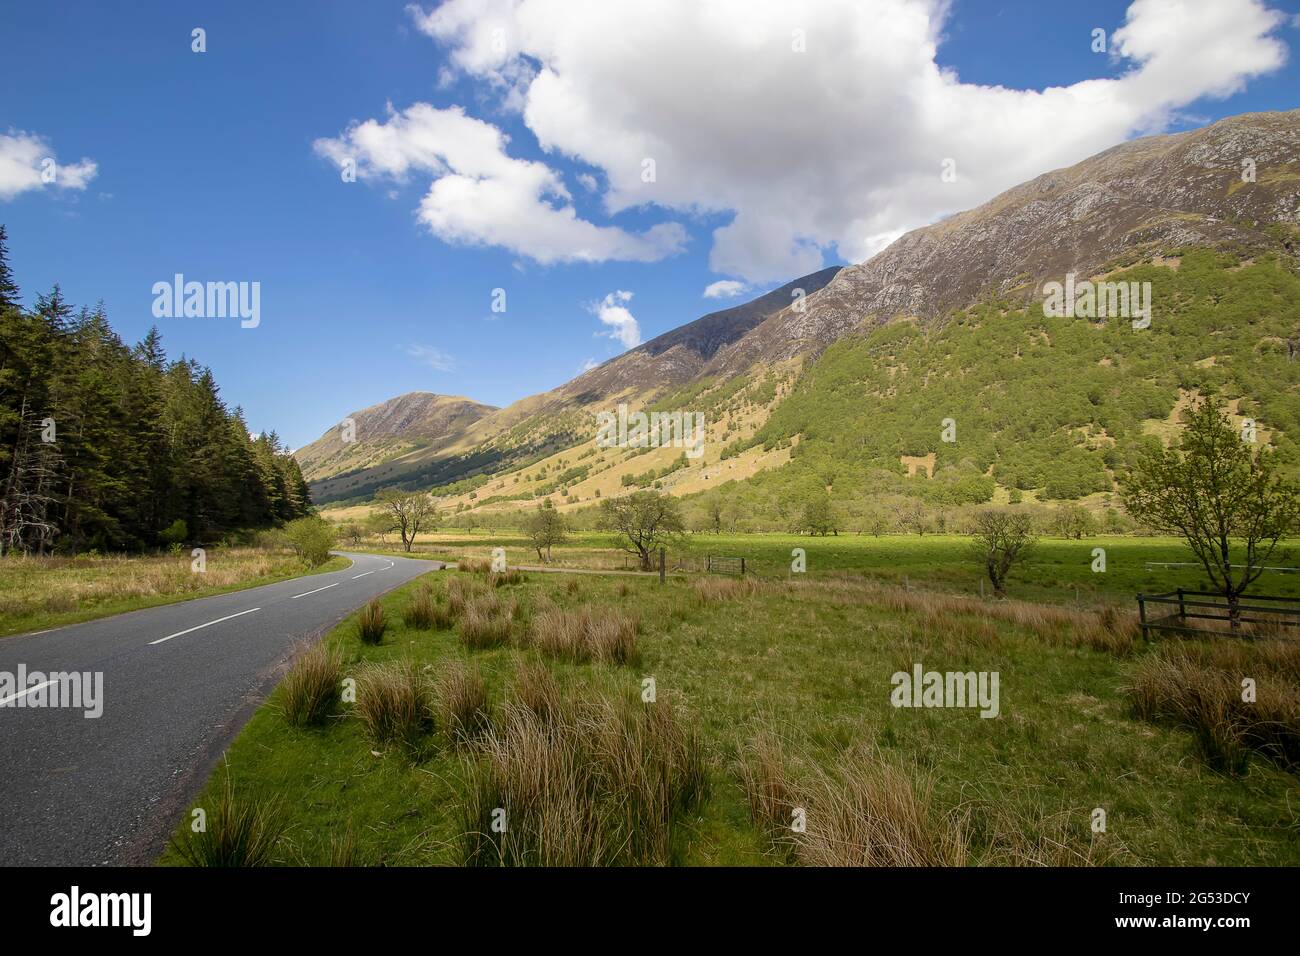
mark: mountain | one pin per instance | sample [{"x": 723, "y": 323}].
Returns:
[
  {"x": 850, "y": 384},
  {"x": 540, "y": 424},
  {"x": 416, "y": 420}
]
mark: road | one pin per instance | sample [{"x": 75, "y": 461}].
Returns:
[{"x": 179, "y": 682}]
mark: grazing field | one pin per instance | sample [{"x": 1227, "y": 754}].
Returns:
[
  {"x": 1058, "y": 570},
  {"x": 521, "y": 699},
  {"x": 52, "y": 592}
]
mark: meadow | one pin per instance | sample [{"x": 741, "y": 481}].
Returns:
[
  {"x": 42, "y": 593},
  {"x": 612, "y": 719},
  {"x": 1058, "y": 571}
]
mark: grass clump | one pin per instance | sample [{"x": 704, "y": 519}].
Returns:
[
  {"x": 311, "y": 688},
  {"x": 461, "y": 701},
  {"x": 371, "y": 623},
  {"x": 591, "y": 782},
  {"x": 236, "y": 832},
  {"x": 393, "y": 703},
  {"x": 588, "y": 633}
]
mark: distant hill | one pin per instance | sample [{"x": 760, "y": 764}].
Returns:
[{"x": 416, "y": 420}]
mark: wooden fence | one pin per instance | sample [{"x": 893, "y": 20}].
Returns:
[{"x": 1178, "y": 611}]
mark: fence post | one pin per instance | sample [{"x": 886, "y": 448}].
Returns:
[
  {"x": 1182, "y": 608},
  {"x": 661, "y": 565},
  {"x": 742, "y": 567},
  {"x": 1142, "y": 616}
]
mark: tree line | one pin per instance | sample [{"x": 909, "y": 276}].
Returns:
[{"x": 110, "y": 447}]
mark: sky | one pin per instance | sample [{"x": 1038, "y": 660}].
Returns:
[{"x": 484, "y": 198}]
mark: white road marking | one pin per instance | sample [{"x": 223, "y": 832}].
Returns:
[
  {"x": 24, "y": 693},
  {"x": 363, "y": 575},
  {"x": 202, "y": 626},
  {"x": 317, "y": 591}
]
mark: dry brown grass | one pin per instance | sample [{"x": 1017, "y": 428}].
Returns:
[
  {"x": 34, "y": 587},
  {"x": 394, "y": 703},
  {"x": 461, "y": 700},
  {"x": 311, "y": 688},
  {"x": 1199, "y": 686},
  {"x": 594, "y": 782},
  {"x": 864, "y": 810},
  {"x": 487, "y": 621},
  {"x": 1109, "y": 630},
  {"x": 712, "y": 589},
  {"x": 589, "y": 633},
  {"x": 371, "y": 623}
]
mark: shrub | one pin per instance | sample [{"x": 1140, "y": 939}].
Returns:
[
  {"x": 238, "y": 832},
  {"x": 310, "y": 689},
  {"x": 371, "y": 623},
  {"x": 393, "y": 703},
  {"x": 311, "y": 539}
]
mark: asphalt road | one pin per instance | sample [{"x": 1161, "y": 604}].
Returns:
[{"x": 178, "y": 684}]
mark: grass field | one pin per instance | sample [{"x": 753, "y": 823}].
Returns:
[
  {"x": 44, "y": 593},
  {"x": 1054, "y": 572},
  {"x": 770, "y": 696}
]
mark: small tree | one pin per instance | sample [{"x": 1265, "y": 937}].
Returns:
[
  {"x": 647, "y": 520},
  {"x": 1225, "y": 500},
  {"x": 410, "y": 511},
  {"x": 175, "y": 533},
  {"x": 353, "y": 533},
  {"x": 999, "y": 540},
  {"x": 546, "y": 527},
  {"x": 311, "y": 539},
  {"x": 380, "y": 523}
]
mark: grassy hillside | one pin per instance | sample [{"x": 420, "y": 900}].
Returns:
[{"x": 1055, "y": 407}]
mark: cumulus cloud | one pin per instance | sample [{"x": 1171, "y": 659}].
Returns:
[
  {"x": 27, "y": 161},
  {"x": 613, "y": 312},
  {"x": 823, "y": 127},
  {"x": 724, "y": 289},
  {"x": 437, "y": 360},
  {"x": 480, "y": 195}
]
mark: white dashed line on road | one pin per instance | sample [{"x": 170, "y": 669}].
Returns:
[
  {"x": 200, "y": 627},
  {"x": 363, "y": 574},
  {"x": 317, "y": 591},
  {"x": 23, "y": 693}
]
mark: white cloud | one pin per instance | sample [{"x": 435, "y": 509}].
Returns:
[
  {"x": 427, "y": 355},
  {"x": 25, "y": 159},
  {"x": 612, "y": 311},
  {"x": 724, "y": 289},
  {"x": 588, "y": 365},
  {"x": 839, "y": 148},
  {"x": 482, "y": 196}
]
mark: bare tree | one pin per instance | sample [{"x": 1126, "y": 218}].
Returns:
[
  {"x": 1224, "y": 498},
  {"x": 648, "y": 520},
  {"x": 999, "y": 540},
  {"x": 410, "y": 511}
]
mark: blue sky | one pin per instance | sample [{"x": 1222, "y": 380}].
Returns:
[{"x": 219, "y": 165}]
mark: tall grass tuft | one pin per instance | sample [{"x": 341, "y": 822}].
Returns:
[
  {"x": 393, "y": 703},
  {"x": 863, "y": 811},
  {"x": 589, "y": 633},
  {"x": 311, "y": 688},
  {"x": 594, "y": 782},
  {"x": 238, "y": 832},
  {"x": 487, "y": 621},
  {"x": 1198, "y": 686},
  {"x": 371, "y": 623},
  {"x": 462, "y": 702}
]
